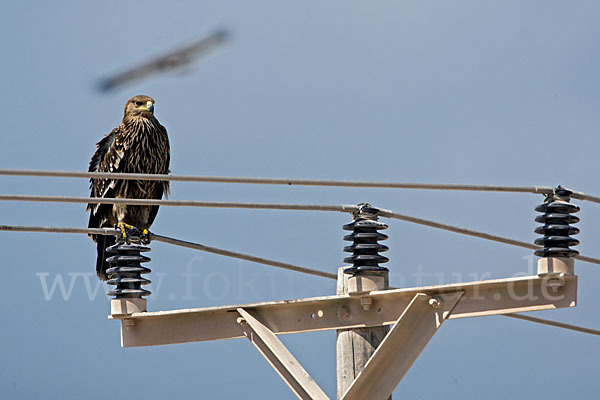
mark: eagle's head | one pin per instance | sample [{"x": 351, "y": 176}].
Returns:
[{"x": 139, "y": 106}]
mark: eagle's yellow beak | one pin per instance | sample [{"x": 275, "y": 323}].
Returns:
[{"x": 148, "y": 107}]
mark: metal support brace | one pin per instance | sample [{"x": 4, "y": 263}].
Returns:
[
  {"x": 402, "y": 345},
  {"x": 280, "y": 358}
]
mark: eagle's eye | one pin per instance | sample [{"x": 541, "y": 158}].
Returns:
[{"x": 138, "y": 103}]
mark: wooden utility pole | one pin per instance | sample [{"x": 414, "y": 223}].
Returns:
[{"x": 356, "y": 346}]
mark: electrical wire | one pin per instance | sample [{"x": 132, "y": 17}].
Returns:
[
  {"x": 554, "y": 323},
  {"x": 59, "y": 229},
  {"x": 241, "y": 256},
  {"x": 477, "y": 234},
  {"x": 277, "y": 206},
  {"x": 455, "y": 229},
  {"x": 176, "y": 242},
  {"x": 298, "y": 182},
  {"x": 177, "y": 203}
]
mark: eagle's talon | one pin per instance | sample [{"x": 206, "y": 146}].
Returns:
[
  {"x": 146, "y": 236},
  {"x": 121, "y": 226},
  {"x": 124, "y": 228}
]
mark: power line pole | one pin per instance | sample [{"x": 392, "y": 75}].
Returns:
[{"x": 355, "y": 347}]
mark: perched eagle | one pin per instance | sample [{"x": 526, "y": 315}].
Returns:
[{"x": 139, "y": 145}]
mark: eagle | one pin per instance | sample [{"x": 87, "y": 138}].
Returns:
[{"x": 140, "y": 144}]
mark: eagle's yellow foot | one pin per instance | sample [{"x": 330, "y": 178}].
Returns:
[
  {"x": 124, "y": 228},
  {"x": 146, "y": 236}
]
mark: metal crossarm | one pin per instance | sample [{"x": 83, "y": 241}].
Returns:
[{"x": 492, "y": 297}]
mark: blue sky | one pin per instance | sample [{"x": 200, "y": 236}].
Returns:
[{"x": 442, "y": 92}]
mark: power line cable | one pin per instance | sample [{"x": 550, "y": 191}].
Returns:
[
  {"x": 477, "y": 234},
  {"x": 241, "y": 256},
  {"x": 277, "y": 206},
  {"x": 455, "y": 229},
  {"x": 177, "y": 203},
  {"x": 176, "y": 242},
  {"x": 298, "y": 182},
  {"x": 59, "y": 229},
  {"x": 554, "y": 323}
]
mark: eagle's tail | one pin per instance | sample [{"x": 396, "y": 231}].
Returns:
[{"x": 102, "y": 242}]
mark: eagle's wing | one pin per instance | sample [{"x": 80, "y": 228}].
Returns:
[
  {"x": 164, "y": 188},
  {"x": 107, "y": 158}
]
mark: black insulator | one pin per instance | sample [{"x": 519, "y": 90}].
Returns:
[
  {"x": 365, "y": 247},
  {"x": 556, "y": 229},
  {"x": 126, "y": 270}
]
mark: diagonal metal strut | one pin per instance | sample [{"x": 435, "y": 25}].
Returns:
[{"x": 280, "y": 358}]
